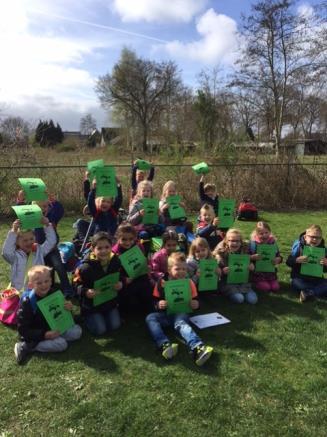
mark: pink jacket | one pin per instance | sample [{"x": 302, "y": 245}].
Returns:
[{"x": 159, "y": 264}]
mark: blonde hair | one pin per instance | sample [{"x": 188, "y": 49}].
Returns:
[
  {"x": 166, "y": 187},
  {"x": 36, "y": 270},
  {"x": 142, "y": 185},
  {"x": 207, "y": 207},
  {"x": 197, "y": 243},
  {"x": 209, "y": 187},
  {"x": 258, "y": 227},
  {"x": 98, "y": 201},
  {"x": 315, "y": 228},
  {"x": 174, "y": 258},
  {"x": 223, "y": 245}
]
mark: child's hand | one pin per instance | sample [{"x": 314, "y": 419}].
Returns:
[
  {"x": 45, "y": 221},
  {"x": 301, "y": 259},
  {"x": 194, "y": 304},
  {"x": 215, "y": 221},
  {"x": 218, "y": 271},
  {"x": 94, "y": 184},
  {"x": 16, "y": 226},
  {"x": 50, "y": 335},
  {"x": 142, "y": 212},
  {"x": 225, "y": 270},
  {"x": 323, "y": 262},
  {"x": 90, "y": 294},
  {"x": 182, "y": 204},
  {"x": 86, "y": 175},
  {"x": 251, "y": 267},
  {"x": 277, "y": 260},
  {"x": 129, "y": 281},
  {"x": 255, "y": 257},
  {"x": 68, "y": 306},
  {"x": 164, "y": 207},
  {"x": 118, "y": 286},
  {"x": 162, "y": 304},
  {"x": 202, "y": 178}
]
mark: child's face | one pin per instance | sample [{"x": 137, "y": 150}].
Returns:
[
  {"x": 201, "y": 252},
  {"x": 211, "y": 193},
  {"x": 178, "y": 270},
  {"x": 206, "y": 216},
  {"x": 170, "y": 246},
  {"x": 44, "y": 207},
  {"x": 41, "y": 283},
  {"x": 146, "y": 191},
  {"x": 102, "y": 250},
  {"x": 25, "y": 241},
  {"x": 312, "y": 238},
  {"x": 233, "y": 242},
  {"x": 105, "y": 204},
  {"x": 127, "y": 240},
  {"x": 171, "y": 191},
  {"x": 263, "y": 235},
  {"x": 140, "y": 175}
]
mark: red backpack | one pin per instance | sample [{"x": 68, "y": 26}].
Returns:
[{"x": 247, "y": 211}]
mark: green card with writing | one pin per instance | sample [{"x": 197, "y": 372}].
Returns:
[
  {"x": 141, "y": 164},
  {"x": 104, "y": 288},
  {"x": 226, "y": 212},
  {"x": 175, "y": 210},
  {"x": 29, "y": 216},
  {"x": 134, "y": 262},
  {"x": 268, "y": 253},
  {"x": 151, "y": 208},
  {"x": 313, "y": 266},
  {"x": 34, "y": 189},
  {"x": 208, "y": 275},
  {"x": 178, "y": 296},
  {"x": 93, "y": 165},
  {"x": 57, "y": 317},
  {"x": 238, "y": 269},
  {"x": 201, "y": 168},
  {"x": 106, "y": 182}
]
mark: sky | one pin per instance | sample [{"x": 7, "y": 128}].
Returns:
[{"x": 53, "y": 51}]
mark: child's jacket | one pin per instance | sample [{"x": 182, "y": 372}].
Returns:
[
  {"x": 17, "y": 258},
  {"x": 105, "y": 221},
  {"x": 204, "y": 198},
  {"x": 159, "y": 264}
]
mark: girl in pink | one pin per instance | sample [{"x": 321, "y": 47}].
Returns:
[
  {"x": 159, "y": 261},
  {"x": 264, "y": 281}
]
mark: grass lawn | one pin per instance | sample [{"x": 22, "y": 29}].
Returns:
[{"x": 267, "y": 376}]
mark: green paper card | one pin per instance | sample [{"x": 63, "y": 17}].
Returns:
[
  {"x": 134, "y": 262},
  {"x": 93, "y": 165},
  {"x": 178, "y": 296},
  {"x": 313, "y": 266},
  {"x": 208, "y": 275},
  {"x": 105, "y": 288},
  {"x": 34, "y": 189},
  {"x": 268, "y": 253},
  {"x": 143, "y": 165},
  {"x": 151, "y": 208},
  {"x": 226, "y": 212},
  {"x": 106, "y": 182},
  {"x": 156, "y": 244},
  {"x": 201, "y": 168},
  {"x": 57, "y": 317},
  {"x": 29, "y": 216},
  {"x": 175, "y": 210},
  {"x": 238, "y": 269}
]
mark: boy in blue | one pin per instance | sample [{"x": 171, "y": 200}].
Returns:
[
  {"x": 177, "y": 269},
  {"x": 308, "y": 286},
  {"x": 208, "y": 194}
]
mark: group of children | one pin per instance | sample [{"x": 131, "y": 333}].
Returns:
[{"x": 34, "y": 256}]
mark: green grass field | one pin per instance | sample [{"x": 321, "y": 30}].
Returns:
[{"x": 267, "y": 376}]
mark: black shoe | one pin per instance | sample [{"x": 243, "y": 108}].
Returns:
[
  {"x": 21, "y": 351},
  {"x": 306, "y": 295}
]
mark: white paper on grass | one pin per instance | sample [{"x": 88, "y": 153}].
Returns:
[{"x": 207, "y": 320}]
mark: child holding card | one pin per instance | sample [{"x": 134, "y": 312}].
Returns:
[
  {"x": 104, "y": 210},
  {"x": 265, "y": 258},
  {"x": 208, "y": 226},
  {"x": 169, "y": 193},
  {"x": 33, "y": 327},
  {"x": 22, "y": 252},
  {"x": 308, "y": 262},
  {"x": 166, "y": 316},
  {"x": 139, "y": 175},
  {"x": 137, "y": 289},
  {"x": 100, "y": 312},
  {"x": 159, "y": 260},
  {"x": 238, "y": 291}
]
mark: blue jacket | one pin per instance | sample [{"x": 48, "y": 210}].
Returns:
[
  {"x": 54, "y": 215},
  {"x": 105, "y": 221}
]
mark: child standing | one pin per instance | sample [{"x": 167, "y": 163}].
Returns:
[
  {"x": 208, "y": 226},
  {"x": 36, "y": 336},
  {"x": 139, "y": 176},
  {"x": 99, "y": 263},
  {"x": 309, "y": 287},
  {"x": 264, "y": 281},
  {"x": 22, "y": 252},
  {"x": 208, "y": 194},
  {"x": 199, "y": 249},
  {"x": 177, "y": 269},
  {"x": 233, "y": 244},
  {"x": 159, "y": 261}
]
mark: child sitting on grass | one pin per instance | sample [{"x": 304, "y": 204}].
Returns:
[
  {"x": 177, "y": 269},
  {"x": 22, "y": 252},
  {"x": 159, "y": 260},
  {"x": 99, "y": 263},
  {"x": 309, "y": 287},
  {"x": 36, "y": 336}
]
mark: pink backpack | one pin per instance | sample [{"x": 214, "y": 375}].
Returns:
[{"x": 9, "y": 303}]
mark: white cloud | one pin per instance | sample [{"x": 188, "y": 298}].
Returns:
[
  {"x": 305, "y": 10},
  {"x": 218, "y": 42},
  {"x": 158, "y": 10}
]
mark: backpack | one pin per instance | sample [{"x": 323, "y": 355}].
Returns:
[
  {"x": 9, "y": 304},
  {"x": 247, "y": 211}
]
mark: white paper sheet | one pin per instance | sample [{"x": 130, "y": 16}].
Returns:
[{"x": 207, "y": 320}]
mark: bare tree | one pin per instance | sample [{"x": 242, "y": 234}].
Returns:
[
  {"x": 87, "y": 125},
  {"x": 15, "y": 130}
]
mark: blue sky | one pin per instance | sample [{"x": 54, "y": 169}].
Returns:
[{"x": 53, "y": 50}]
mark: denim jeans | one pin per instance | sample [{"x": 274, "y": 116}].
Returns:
[
  {"x": 53, "y": 259},
  {"x": 319, "y": 286},
  {"x": 59, "y": 344},
  {"x": 249, "y": 297},
  {"x": 99, "y": 323},
  {"x": 180, "y": 322}
]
